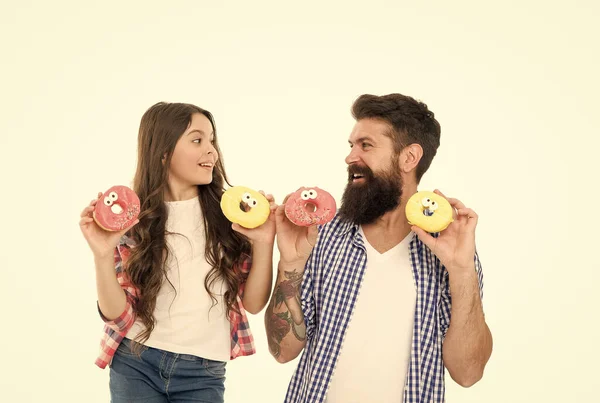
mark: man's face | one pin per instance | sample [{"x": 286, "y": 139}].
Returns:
[{"x": 374, "y": 181}]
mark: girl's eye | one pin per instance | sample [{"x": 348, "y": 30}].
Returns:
[{"x": 197, "y": 141}]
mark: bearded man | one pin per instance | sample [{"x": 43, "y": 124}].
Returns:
[{"x": 379, "y": 307}]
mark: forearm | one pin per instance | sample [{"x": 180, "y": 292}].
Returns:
[
  {"x": 111, "y": 297},
  {"x": 258, "y": 284},
  {"x": 468, "y": 343},
  {"x": 284, "y": 319}
]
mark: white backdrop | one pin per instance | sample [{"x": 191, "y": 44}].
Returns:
[{"x": 513, "y": 84}]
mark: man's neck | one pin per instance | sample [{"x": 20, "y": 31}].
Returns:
[
  {"x": 391, "y": 224},
  {"x": 392, "y": 227}
]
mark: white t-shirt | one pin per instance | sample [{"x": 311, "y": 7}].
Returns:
[
  {"x": 375, "y": 353},
  {"x": 184, "y": 323}
]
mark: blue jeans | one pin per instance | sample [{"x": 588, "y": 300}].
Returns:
[{"x": 159, "y": 376}]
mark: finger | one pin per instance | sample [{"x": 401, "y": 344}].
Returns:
[
  {"x": 281, "y": 219},
  {"x": 271, "y": 200},
  {"x": 87, "y": 211},
  {"x": 454, "y": 214},
  {"x": 467, "y": 212},
  {"x": 268, "y": 196},
  {"x": 273, "y": 207},
  {"x": 286, "y": 198},
  {"x": 457, "y": 204},
  {"x": 280, "y": 214},
  {"x": 439, "y": 192},
  {"x": 85, "y": 220},
  {"x": 471, "y": 215},
  {"x": 94, "y": 201}
]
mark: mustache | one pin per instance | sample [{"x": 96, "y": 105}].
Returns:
[
  {"x": 359, "y": 170},
  {"x": 364, "y": 203}
]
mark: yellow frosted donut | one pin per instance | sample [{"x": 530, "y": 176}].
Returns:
[
  {"x": 245, "y": 206},
  {"x": 429, "y": 211}
]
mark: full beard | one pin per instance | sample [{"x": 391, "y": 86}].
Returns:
[{"x": 363, "y": 203}]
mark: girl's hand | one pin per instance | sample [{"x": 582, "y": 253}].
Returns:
[
  {"x": 101, "y": 242},
  {"x": 265, "y": 233}
]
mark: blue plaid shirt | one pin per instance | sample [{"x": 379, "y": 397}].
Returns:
[{"x": 332, "y": 279}]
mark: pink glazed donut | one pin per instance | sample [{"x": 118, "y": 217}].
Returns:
[
  {"x": 310, "y": 206},
  {"x": 117, "y": 208}
]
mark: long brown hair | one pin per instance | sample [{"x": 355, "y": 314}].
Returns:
[{"x": 161, "y": 127}]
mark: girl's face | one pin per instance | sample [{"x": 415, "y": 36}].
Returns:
[{"x": 194, "y": 157}]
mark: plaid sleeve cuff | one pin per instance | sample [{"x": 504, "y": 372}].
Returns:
[
  {"x": 123, "y": 322},
  {"x": 246, "y": 265}
]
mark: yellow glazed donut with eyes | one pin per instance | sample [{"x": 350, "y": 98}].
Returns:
[
  {"x": 245, "y": 206},
  {"x": 429, "y": 211}
]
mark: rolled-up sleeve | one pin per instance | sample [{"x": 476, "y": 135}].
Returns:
[{"x": 127, "y": 317}]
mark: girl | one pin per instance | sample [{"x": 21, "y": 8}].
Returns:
[{"x": 174, "y": 288}]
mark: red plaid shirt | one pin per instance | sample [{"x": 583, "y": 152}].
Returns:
[{"x": 242, "y": 341}]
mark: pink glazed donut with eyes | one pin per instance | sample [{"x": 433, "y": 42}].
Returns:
[
  {"x": 309, "y": 206},
  {"x": 117, "y": 208}
]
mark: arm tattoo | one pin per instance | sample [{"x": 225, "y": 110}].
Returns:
[{"x": 279, "y": 324}]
